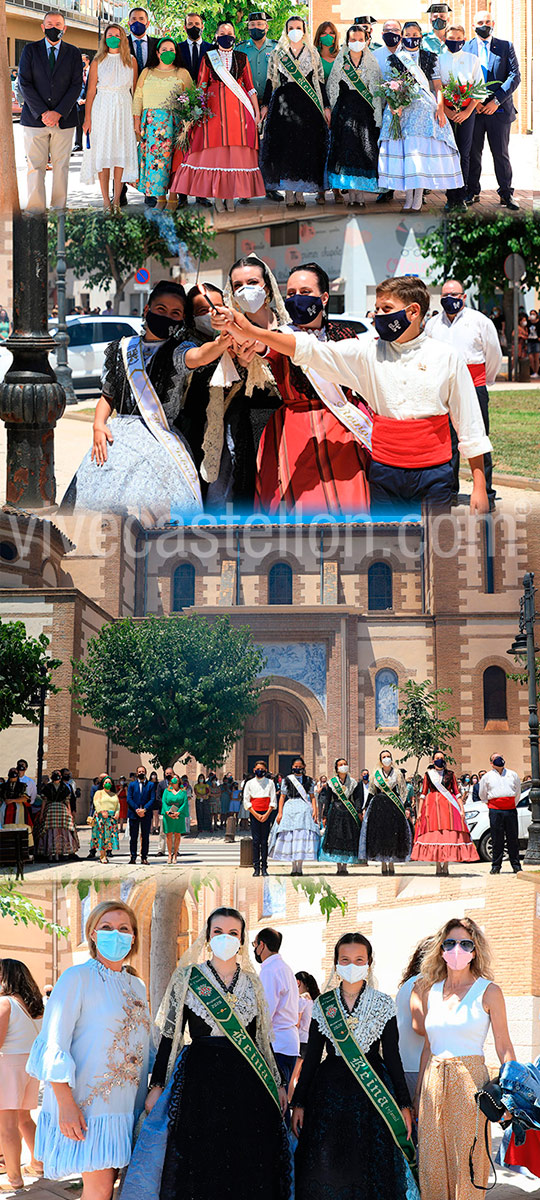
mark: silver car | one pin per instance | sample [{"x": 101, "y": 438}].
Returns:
[{"x": 477, "y": 818}]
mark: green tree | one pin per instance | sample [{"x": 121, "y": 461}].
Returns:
[
  {"x": 169, "y": 16},
  {"x": 24, "y": 667},
  {"x": 473, "y": 249},
  {"x": 423, "y": 727},
  {"x": 170, "y": 686},
  {"x": 22, "y": 910},
  {"x": 106, "y": 252}
]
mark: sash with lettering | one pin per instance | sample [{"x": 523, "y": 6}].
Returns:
[
  {"x": 299, "y": 78},
  {"x": 347, "y": 1046},
  {"x": 414, "y": 69},
  {"x": 299, "y": 787},
  {"x": 352, "y": 75},
  {"x": 214, "y": 57},
  {"x": 342, "y": 795},
  {"x": 220, "y": 1009},
  {"x": 388, "y": 791},
  {"x": 333, "y": 397},
  {"x": 439, "y": 785},
  {"x": 151, "y": 410}
]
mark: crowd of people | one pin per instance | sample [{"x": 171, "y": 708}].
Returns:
[
  {"x": 381, "y": 817},
  {"x": 380, "y": 1093},
  {"x": 239, "y": 119},
  {"x": 211, "y": 411}
]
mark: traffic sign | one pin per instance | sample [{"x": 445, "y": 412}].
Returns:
[
  {"x": 142, "y": 279},
  {"x": 515, "y": 268}
]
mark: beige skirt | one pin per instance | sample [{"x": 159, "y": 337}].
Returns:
[
  {"x": 447, "y": 1128},
  {"x": 18, "y": 1089}
]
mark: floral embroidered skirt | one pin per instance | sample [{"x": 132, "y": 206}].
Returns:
[
  {"x": 159, "y": 130},
  {"x": 104, "y": 833}
]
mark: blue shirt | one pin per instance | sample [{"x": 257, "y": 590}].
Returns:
[
  {"x": 430, "y": 41},
  {"x": 258, "y": 58}
]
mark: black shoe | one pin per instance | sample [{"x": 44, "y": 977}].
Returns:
[
  {"x": 384, "y": 197},
  {"x": 91, "y": 855},
  {"x": 144, "y": 862},
  {"x": 473, "y": 199},
  {"x": 150, "y": 201},
  {"x": 265, "y": 872},
  {"x": 256, "y": 873},
  {"x": 516, "y": 869},
  {"x": 495, "y": 871},
  {"x": 492, "y": 500},
  {"x": 202, "y": 200},
  {"x": 132, "y": 862},
  {"x": 455, "y": 206},
  {"x": 272, "y": 194},
  {"x": 511, "y": 204},
  {"x": 77, "y": 150},
  {"x": 243, "y": 200},
  {"x": 160, "y": 854},
  {"x": 123, "y": 196}
]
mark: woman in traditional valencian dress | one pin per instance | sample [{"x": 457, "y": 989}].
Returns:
[
  {"x": 342, "y": 801},
  {"x": 92, "y": 1056},
  {"x": 314, "y": 450},
  {"x": 425, "y": 155},
  {"x": 138, "y": 464},
  {"x": 15, "y": 803},
  {"x": 222, "y": 161},
  {"x": 352, "y": 1142},
  {"x": 441, "y": 834},
  {"x": 215, "y": 1126},
  {"x": 295, "y": 142},
  {"x": 356, "y": 118},
  {"x": 386, "y": 832},
  {"x": 295, "y": 834}
]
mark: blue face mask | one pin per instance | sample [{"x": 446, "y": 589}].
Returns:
[
  {"x": 303, "y": 309},
  {"x": 138, "y": 28},
  {"x": 113, "y": 945},
  {"x": 390, "y": 326},
  {"x": 452, "y": 304}
]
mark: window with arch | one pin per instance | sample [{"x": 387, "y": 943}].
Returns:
[
  {"x": 183, "y": 587},
  {"x": 379, "y": 587},
  {"x": 386, "y": 699},
  {"x": 280, "y": 580},
  {"x": 494, "y": 683}
]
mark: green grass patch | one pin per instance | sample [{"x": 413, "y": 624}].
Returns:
[{"x": 514, "y": 429}]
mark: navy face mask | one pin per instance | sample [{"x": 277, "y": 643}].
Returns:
[
  {"x": 451, "y": 304},
  {"x": 439, "y": 23},
  {"x": 453, "y": 46},
  {"x": 257, "y": 34},
  {"x": 391, "y": 39},
  {"x": 390, "y": 326},
  {"x": 303, "y": 309},
  {"x": 412, "y": 43},
  {"x": 225, "y": 40},
  {"x": 138, "y": 28}
]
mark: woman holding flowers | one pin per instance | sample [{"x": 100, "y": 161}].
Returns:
[
  {"x": 417, "y": 146},
  {"x": 356, "y": 117},
  {"x": 156, "y": 118}
]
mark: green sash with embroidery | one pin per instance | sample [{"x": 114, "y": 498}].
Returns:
[
  {"x": 346, "y": 1045},
  {"x": 300, "y": 79},
  {"x": 384, "y": 787},
  {"x": 352, "y": 75},
  {"x": 220, "y": 1009},
  {"x": 342, "y": 795}
]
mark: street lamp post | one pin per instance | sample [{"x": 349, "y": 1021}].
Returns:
[
  {"x": 524, "y": 647},
  {"x": 63, "y": 370}
]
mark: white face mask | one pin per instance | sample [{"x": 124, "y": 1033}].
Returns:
[
  {"x": 224, "y": 946},
  {"x": 295, "y": 35},
  {"x": 352, "y": 972},
  {"x": 204, "y": 324},
  {"x": 250, "y": 297},
  {"x": 386, "y": 760},
  {"x": 344, "y": 769}
]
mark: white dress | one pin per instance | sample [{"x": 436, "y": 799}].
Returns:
[
  {"x": 95, "y": 1037},
  {"x": 112, "y": 137}
]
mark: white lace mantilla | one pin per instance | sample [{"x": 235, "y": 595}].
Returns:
[
  {"x": 368, "y": 1020},
  {"x": 244, "y": 1006}
]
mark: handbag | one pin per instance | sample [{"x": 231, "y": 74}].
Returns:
[
  {"x": 488, "y": 1100},
  {"x": 90, "y": 821}
]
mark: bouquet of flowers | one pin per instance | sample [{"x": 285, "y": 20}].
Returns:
[
  {"x": 458, "y": 95},
  {"x": 191, "y": 106},
  {"x": 399, "y": 91}
]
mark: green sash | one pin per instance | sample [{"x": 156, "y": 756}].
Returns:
[
  {"x": 352, "y": 75},
  {"x": 300, "y": 79},
  {"x": 380, "y": 1097},
  {"x": 384, "y": 787},
  {"x": 340, "y": 792},
  {"x": 220, "y": 1009}
]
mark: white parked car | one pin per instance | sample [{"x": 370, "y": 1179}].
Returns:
[
  {"x": 88, "y": 341},
  {"x": 477, "y": 818}
]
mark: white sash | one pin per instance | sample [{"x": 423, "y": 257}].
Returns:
[
  {"x": 434, "y": 776},
  {"x": 229, "y": 80},
  {"x": 151, "y": 410},
  {"x": 415, "y": 69},
  {"x": 299, "y": 787},
  {"x": 334, "y": 398}
]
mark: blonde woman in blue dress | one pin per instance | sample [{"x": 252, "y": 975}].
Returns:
[{"x": 92, "y": 1056}]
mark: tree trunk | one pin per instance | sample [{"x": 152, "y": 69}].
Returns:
[
  {"x": 163, "y": 944},
  {"x": 9, "y": 193}
]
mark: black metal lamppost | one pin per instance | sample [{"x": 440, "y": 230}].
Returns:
[{"x": 523, "y": 648}]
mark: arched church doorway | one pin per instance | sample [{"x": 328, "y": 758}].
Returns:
[{"x": 276, "y": 734}]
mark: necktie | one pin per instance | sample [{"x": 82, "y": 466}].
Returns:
[
  {"x": 485, "y": 59},
  {"x": 52, "y": 59},
  {"x": 195, "y": 61},
  {"x": 139, "y": 54}
]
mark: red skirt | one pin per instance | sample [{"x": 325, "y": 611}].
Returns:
[
  {"x": 227, "y": 173},
  {"x": 441, "y": 833}
]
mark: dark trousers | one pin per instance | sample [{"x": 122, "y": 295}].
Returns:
[
  {"x": 463, "y": 134},
  {"x": 286, "y": 1064},
  {"x": 204, "y": 820},
  {"x": 498, "y": 136},
  {"x": 259, "y": 832},
  {"x": 504, "y": 827},
  {"x": 483, "y": 400},
  {"x": 399, "y": 485},
  {"x": 78, "y": 141},
  {"x": 143, "y": 824}
]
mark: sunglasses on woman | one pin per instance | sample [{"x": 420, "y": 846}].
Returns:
[{"x": 465, "y": 943}]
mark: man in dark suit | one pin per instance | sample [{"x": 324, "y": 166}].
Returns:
[
  {"x": 141, "y": 43},
  {"x": 50, "y": 81},
  {"x": 193, "y": 48},
  {"x": 81, "y": 105},
  {"x": 494, "y": 119},
  {"x": 140, "y": 801}
]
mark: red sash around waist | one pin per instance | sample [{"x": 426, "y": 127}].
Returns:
[
  {"x": 478, "y": 373},
  {"x": 502, "y": 802},
  {"x": 421, "y": 443},
  {"x": 260, "y": 804}
]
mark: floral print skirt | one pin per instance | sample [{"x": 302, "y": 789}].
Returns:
[
  {"x": 159, "y": 129},
  {"x": 104, "y": 833}
]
